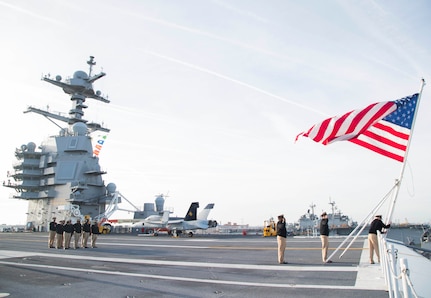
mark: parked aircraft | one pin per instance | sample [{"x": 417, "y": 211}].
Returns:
[
  {"x": 176, "y": 225},
  {"x": 151, "y": 224},
  {"x": 199, "y": 222},
  {"x": 154, "y": 223}
]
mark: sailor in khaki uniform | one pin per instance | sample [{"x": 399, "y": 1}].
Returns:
[{"x": 52, "y": 232}]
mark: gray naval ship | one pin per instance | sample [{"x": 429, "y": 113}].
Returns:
[
  {"x": 339, "y": 223},
  {"x": 62, "y": 177}
]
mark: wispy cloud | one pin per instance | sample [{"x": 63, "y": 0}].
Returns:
[
  {"x": 198, "y": 68},
  {"x": 243, "y": 12},
  {"x": 382, "y": 25},
  {"x": 215, "y": 37},
  {"x": 30, "y": 13}
]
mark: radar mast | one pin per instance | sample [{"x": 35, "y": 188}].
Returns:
[{"x": 80, "y": 87}]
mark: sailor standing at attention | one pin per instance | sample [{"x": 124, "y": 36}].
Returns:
[
  {"x": 77, "y": 229},
  {"x": 94, "y": 232},
  {"x": 86, "y": 228},
  {"x": 68, "y": 231},
  {"x": 52, "y": 232},
  {"x": 281, "y": 238},
  {"x": 59, "y": 229}
]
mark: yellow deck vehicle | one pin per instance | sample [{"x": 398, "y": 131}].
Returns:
[{"x": 269, "y": 228}]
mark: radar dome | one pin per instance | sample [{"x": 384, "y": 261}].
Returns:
[
  {"x": 80, "y": 128},
  {"x": 80, "y": 75},
  {"x": 31, "y": 146},
  {"x": 111, "y": 187}
]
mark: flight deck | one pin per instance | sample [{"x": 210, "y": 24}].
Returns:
[{"x": 199, "y": 266}]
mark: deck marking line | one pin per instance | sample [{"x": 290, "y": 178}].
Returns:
[
  {"x": 186, "y": 279},
  {"x": 11, "y": 254}
]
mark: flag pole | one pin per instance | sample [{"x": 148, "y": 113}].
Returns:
[{"x": 398, "y": 184}]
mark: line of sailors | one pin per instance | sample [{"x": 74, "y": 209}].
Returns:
[{"x": 61, "y": 233}]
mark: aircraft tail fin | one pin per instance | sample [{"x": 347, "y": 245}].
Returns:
[
  {"x": 191, "y": 214},
  {"x": 205, "y": 212},
  {"x": 165, "y": 217}
]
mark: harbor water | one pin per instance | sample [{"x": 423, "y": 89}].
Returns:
[{"x": 410, "y": 235}]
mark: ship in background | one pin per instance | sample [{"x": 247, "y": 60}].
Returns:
[
  {"x": 308, "y": 223},
  {"x": 339, "y": 223},
  {"x": 62, "y": 177}
]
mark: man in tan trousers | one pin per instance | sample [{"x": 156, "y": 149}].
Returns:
[
  {"x": 52, "y": 232},
  {"x": 281, "y": 238},
  {"x": 373, "y": 243}
]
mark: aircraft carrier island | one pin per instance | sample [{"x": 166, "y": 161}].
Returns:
[{"x": 62, "y": 176}]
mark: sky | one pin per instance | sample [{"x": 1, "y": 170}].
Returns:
[{"x": 207, "y": 98}]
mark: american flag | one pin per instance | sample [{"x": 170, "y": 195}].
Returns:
[{"x": 383, "y": 127}]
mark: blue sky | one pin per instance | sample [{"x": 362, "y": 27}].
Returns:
[{"x": 208, "y": 96}]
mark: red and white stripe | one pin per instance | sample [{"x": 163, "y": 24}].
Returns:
[{"x": 366, "y": 128}]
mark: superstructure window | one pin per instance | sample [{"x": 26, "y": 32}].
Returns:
[{"x": 73, "y": 143}]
